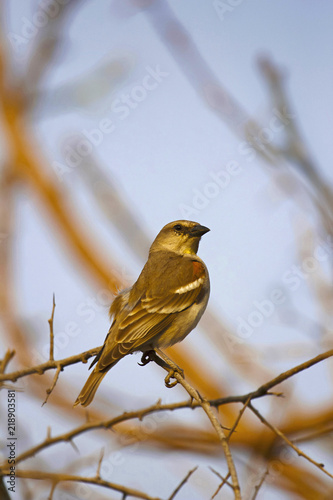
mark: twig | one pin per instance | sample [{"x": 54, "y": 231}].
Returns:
[
  {"x": 59, "y": 478},
  {"x": 263, "y": 389},
  {"x": 48, "y": 43},
  {"x": 4, "y": 362},
  {"x": 290, "y": 443},
  {"x": 55, "y": 380},
  {"x": 223, "y": 479},
  {"x": 295, "y": 148},
  {"x": 98, "y": 472},
  {"x": 259, "y": 485},
  {"x": 313, "y": 435},
  {"x": 181, "y": 484},
  {"x": 88, "y": 426},
  {"x": 106, "y": 424},
  {"x": 50, "y": 321},
  {"x": 53, "y": 487},
  {"x": 3, "y": 365},
  {"x": 50, "y": 365},
  {"x": 205, "y": 405},
  {"x": 232, "y": 430}
]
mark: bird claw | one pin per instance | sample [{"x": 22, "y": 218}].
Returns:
[
  {"x": 146, "y": 358},
  {"x": 171, "y": 375},
  {"x": 151, "y": 355}
]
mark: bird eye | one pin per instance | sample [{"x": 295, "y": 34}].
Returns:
[{"x": 178, "y": 227}]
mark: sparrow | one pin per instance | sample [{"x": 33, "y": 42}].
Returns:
[{"x": 162, "y": 307}]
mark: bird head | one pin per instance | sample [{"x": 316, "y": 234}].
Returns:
[{"x": 180, "y": 236}]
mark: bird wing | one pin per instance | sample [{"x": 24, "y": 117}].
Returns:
[{"x": 154, "y": 312}]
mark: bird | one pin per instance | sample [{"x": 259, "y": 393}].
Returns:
[{"x": 162, "y": 307}]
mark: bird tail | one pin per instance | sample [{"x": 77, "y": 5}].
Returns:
[{"x": 90, "y": 387}]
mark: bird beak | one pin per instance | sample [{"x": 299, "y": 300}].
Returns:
[{"x": 198, "y": 230}]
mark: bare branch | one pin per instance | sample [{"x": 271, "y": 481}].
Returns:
[
  {"x": 259, "y": 485},
  {"x": 181, "y": 484},
  {"x": 59, "y": 478},
  {"x": 4, "y": 362},
  {"x": 98, "y": 472},
  {"x": 295, "y": 147},
  {"x": 53, "y": 487},
  {"x": 50, "y": 365},
  {"x": 294, "y": 447},
  {"x": 50, "y": 321},
  {"x": 317, "y": 434},
  {"x": 223, "y": 479},
  {"x": 205, "y": 405},
  {"x": 232, "y": 430},
  {"x": 263, "y": 389},
  {"x": 157, "y": 407},
  {"x": 55, "y": 380}
]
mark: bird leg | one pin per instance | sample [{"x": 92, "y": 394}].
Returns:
[
  {"x": 147, "y": 357},
  {"x": 165, "y": 363}
]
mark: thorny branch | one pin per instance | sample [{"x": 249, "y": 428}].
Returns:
[
  {"x": 289, "y": 443},
  {"x": 55, "y": 380},
  {"x": 84, "y": 356},
  {"x": 195, "y": 402},
  {"x": 223, "y": 479},
  {"x": 50, "y": 321},
  {"x": 207, "y": 408},
  {"x": 60, "y": 477},
  {"x": 4, "y": 362},
  {"x": 139, "y": 414},
  {"x": 49, "y": 365},
  {"x": 259, "y": 485},
  {"x": 181, "y": 484},
  {"x": 261, "y": 391}
]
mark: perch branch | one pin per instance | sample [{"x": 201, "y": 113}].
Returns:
[
  {"x": 207, "y": 408},
  {"x": 139, "y": 414}
]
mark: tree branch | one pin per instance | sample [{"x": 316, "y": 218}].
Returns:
[
  {"x": 59, "y": 477},
  {"x": 4, "y": 362},
  {"x": 289, "y": 443},
  {"x": 181, "y": 484},
  {"x": 55, "y": 380},
  {"x": 223, "y": 479},
  {"x": 140, "y": 414},
  {"x": 207, "y": 408},
  {"x": 50, "y": 365},
  {"x": 50, "y": 321}
]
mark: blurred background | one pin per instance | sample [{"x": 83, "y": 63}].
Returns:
[{"x": 118, "y": 117}]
